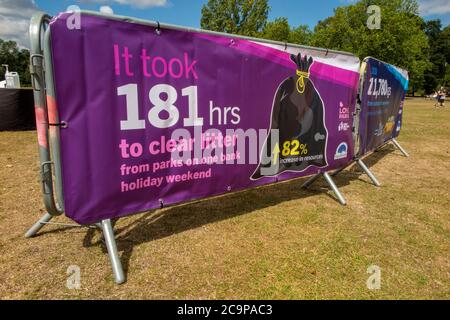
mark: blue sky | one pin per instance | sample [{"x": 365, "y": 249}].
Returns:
[
  {"x": 187, "y": 12},
  {"x": 15, "y": 14}
]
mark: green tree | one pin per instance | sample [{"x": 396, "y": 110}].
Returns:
[
  {"x": 300, "y": 35},
  {"x": 280, "y": 30},
  {"x": 433, "y": 29},
  {"x": 17, "y": 59},
  {"x": 439, "y": 41},
  {"x": 437, "y": 57},
  {"x": 445, "y": 38},
  {"x": 244, "y": 17},
  {"x": 401, "y": 39}
]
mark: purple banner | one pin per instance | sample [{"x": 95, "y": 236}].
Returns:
[
  {"x": 384, "y": 92},
  {"x": 158, "y": 119}
]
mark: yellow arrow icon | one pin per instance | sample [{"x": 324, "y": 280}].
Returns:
[{"x": 276, "y": 154}]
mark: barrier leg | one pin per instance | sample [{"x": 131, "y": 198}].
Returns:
[
  {"x": 110, "y": 241},
  {"x": 369, "y": 173},
  {"x": 334, "y": 188},
  {"x": 38, "y": 225},
  {"x": 395, "y": 142},
  {"x": 310, "y": 181}
]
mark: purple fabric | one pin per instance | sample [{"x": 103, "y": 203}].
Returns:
[{"x": 86, "y": 83}]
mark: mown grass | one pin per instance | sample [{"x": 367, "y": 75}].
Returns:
[{"x": 275, "y": 242}]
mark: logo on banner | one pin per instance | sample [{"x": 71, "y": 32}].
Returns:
[
  {"x": 344, "y": 115},
  {"x": 343, "y": 126},
  {"x": 341, "y": 152},
  {"x": 344, "y": 112}
]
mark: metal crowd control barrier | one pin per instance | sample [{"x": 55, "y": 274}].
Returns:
[
  {"x": 48, "y": 128},
  {"x": 359, "y": 155},
  {"x": 47, "y": 122},
  {"x": 356, "y": 139}
]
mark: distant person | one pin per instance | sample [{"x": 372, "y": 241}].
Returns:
[
  {"x": 440, "y": 98},
  {"x": 436, "y": 97}
]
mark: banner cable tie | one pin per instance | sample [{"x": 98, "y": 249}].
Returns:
[{"x": 62, "y": 124}]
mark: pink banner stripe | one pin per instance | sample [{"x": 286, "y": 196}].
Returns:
[
  {"x": 268, "y": 53},
  {"x": 318, "y": 70},
  {"x": 334, "y": 74}
]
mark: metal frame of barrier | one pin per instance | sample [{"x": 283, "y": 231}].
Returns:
[
  {"x": 328, "y": 178},
  {"x": 399, "y": 147},
  {"x": 356, "y": 139},
  {"x": 396, "y": 144},
  {"x": 48, "y": 126},
  {"x": 358, "y": 158},
  {"x": 356, "y": 135},
  {"x": 48, "y": 130}
]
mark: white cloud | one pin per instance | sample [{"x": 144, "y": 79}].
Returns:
[
  {"x": 434, "y": 7},
  {"x": 134, "y": 3},
  {"x": 15, "y": 18},
  {"x": 106, "y": 10}
]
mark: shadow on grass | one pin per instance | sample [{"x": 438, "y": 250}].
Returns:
[
  {"x": 354, "y": 172},
  {"x": 158, "y": 224}
]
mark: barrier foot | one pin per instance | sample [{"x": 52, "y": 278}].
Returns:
[
  {"x": 38, "y": 225},
  {"x": 110, "y": 241},
  {"x": 395, "y": 142},
  {"x": 310, "y": 181},
  {"x": 369, "y": 173},
  {"x": 334, "y": 188}
]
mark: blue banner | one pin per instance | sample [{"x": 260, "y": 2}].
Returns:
[{"x": 382, "y": 97}]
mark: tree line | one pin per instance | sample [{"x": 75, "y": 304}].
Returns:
[
  {"x": 404, "y": 39},
  {"x": 18, "y": 60}
]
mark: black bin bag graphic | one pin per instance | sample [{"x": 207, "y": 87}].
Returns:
[{"x": 298, "y": 117}]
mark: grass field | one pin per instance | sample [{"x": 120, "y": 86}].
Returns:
[{"x": 275, "y": 242}]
